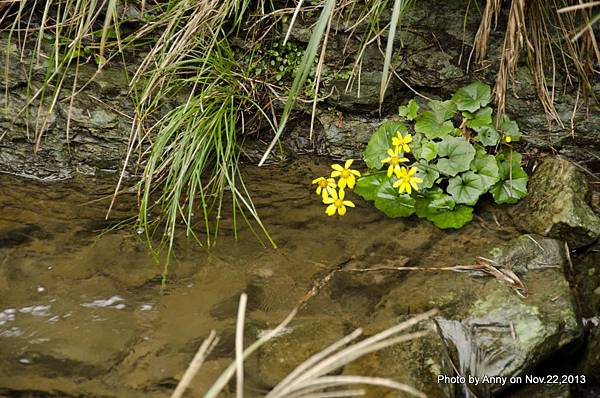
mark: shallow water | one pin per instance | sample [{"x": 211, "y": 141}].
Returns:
[{"x": 82, "y": 313}]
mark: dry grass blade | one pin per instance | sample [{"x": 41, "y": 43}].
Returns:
[
  {"x": 480, "y": 44},
  {"x": 485, "y": 266},
  {"x": 204, "y": 351},
  {"x": 514, "y": 40},
  {"x": 239, "y": 346},
  {"x": 222, "y": 381},
  {"x": 293, "y": 21},
  {"x": 578, "y": 7}
]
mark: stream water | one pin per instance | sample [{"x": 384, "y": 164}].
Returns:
[{"x": 82, "y": 312}]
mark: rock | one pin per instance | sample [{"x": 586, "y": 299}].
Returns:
[
  {"x": 304, "y": 338},
  {"x": 416, "y": 363},
  {"x": 494, "y": 331},
  {"x": 587, "y": 280},
  {"x": 345, "y": 136},
  {"x": 557, "y": 205},
  {"x": 590, "y": 362}
]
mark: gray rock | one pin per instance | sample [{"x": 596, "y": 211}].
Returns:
[
  {"x": 494, "y": 331},
  {"x": 557, "y": 205}
]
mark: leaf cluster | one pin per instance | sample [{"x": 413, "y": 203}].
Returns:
[{"x": 461, "y": 152}]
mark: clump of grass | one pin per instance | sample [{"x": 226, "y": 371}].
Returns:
[{"x": 550, "y": 33}]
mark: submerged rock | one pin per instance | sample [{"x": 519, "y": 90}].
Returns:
[
  {"x": 557, "y": 205},
  {"x": 305, "y": 337},
  {"x": 490, "y": 329}
]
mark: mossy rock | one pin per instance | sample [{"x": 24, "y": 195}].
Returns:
[
  {"x": 557, "y": 205},
  {"x": 490, "y": 329}
]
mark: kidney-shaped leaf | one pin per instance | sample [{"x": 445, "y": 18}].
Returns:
[
  {"x": 466, "y": 188},
  {"x": 456, "y": 155},
  {"x": 472, "y": 97}
]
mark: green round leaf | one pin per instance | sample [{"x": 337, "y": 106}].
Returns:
[
  {"x": 452, "y": 219},
  {"x": 380, "y": 142},
  {"x": 368, "y": 186},
  {"x": 483, "y": 118},
  {"x": 409, "y": 110},
  {"x": 485, "y": 166},
  {"x": 488, "y": 136},
  {"x": 472, "y": 97},
  {"x": 510, "y": 128},
  {"x": 456, "y": 155},
  {"x": 435, "y": 123},
  {"x": 466, "y": 188},
  {"x": 391, "y": 203},
  {"x": 427, "y": 173},
  {"x": 513, "y": 179},
  {"x": 433, "y": 202},
  {"x": 422, "y": 148}
]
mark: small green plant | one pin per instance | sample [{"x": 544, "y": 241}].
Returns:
[{"x": 455, "y": 151}]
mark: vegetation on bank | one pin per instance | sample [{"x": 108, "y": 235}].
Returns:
[
  {"x": 450, "y": 165},
  {"x": 213, "y": 72}
]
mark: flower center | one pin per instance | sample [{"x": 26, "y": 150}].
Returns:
[
  {"x": 394, "y": 161},
  {"x": 345, "y": 173},
  {"x": 323, "y": 183},
  {"x": 338, "y": 203}
]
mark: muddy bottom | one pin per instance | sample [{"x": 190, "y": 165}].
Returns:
[{"x": 82, "y": 312}]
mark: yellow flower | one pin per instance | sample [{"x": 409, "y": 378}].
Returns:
[
  {"x": 336, "y": 203},
  {"x": 406, "y": 181},
  {"x": 324, "y": 185},
  {"x": 346, "y": 175},
  {"x": 508, "y": 139},
  {"x": 402, "y": 142},
  {"x": 394, "y": 160}
]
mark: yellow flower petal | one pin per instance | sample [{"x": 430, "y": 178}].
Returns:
[
  {"x": 355, "y": 172},
  {"x": 348, "y": 163},
  {"x": 386, "y": 160},
  {"x": 342, "y": 210},
  {"x": 337, "y": 167},
  {"x": 319, "y": 190},
  {"x": 331, "y": 209},
  {"x": 390, "y": 170},
  {"x": 316, "y": 180},
  {"x": 392, "y": 152},
  {"x": 328, "y": 200},
  {"x": 342, "y": 183},
  {"x": 336, "y": 173},
  {"x": 351, "y": 181},
  {"x": 342, "y": 194},
  {"x": 412, "y": 171},
  {"x": 348, "y": 203}
]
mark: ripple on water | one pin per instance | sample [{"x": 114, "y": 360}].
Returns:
[{"x": 112, "y": 302}]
